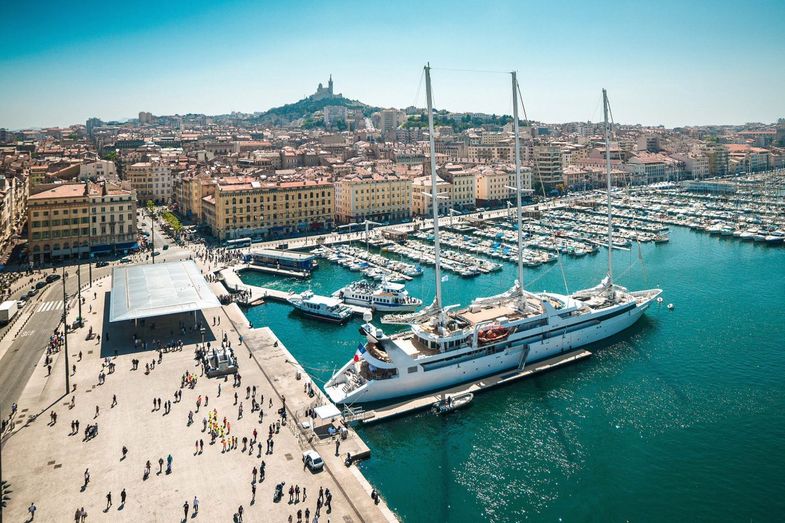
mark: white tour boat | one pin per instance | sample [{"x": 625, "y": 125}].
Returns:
[
  {"x": 321, "y": 307},
  {"x": 383, "y": 297}
]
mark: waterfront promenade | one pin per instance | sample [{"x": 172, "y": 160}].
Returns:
[{"x": 44, "y": 461}]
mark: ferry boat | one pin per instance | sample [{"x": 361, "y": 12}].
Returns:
[
  {"x": 444, "y": 348},
  {"x": 321, "y": 307},
  {"x": 383, "y": 297}
]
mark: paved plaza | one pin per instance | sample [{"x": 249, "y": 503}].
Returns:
[{"x": 44, "y": 461}]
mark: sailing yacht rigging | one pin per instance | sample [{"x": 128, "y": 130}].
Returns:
[{"x": 445, "y": 347}]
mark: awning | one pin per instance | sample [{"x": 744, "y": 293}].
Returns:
[
  {"x": 148, "y": 290},
  {"x": 328, "y": 411}
]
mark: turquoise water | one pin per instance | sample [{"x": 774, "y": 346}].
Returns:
[{"x": 678, "y": 418}]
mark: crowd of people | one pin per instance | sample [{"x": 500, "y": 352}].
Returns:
[{"x": 221, "y": 429}]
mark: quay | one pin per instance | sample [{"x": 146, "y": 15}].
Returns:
[
  {"x": 423, "y": 402},
  {"x": 257, "y": 295},
  {"x": 42, "y": 455}
]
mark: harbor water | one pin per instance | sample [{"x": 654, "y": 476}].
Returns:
[{"x": 681, "y": 417}]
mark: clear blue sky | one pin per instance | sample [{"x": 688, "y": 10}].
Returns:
[{"x": 663, "y": 62}]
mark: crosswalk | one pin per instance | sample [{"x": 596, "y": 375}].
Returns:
[{"x": 50, "y": 306}]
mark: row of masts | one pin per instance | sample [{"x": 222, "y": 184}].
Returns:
[{"x": 438, "y": 302}]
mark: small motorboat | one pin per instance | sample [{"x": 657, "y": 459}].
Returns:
[{"x": 451, "y": 403}]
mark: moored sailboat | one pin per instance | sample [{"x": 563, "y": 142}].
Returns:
[{"x": 445, "y": 347}]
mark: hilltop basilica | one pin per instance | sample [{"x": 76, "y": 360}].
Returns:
[{"x": 325, "y": 92}]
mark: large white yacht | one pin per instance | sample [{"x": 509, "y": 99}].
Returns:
[
  {"x": 444, "y": 347},
  {"x": 382, "y": 297}
]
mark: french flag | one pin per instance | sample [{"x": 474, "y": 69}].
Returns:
[{"x": 360, "y": 351}]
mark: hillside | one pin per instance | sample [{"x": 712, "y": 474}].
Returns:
[{"x": 305, "y": 109}]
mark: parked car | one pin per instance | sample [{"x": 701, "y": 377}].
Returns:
[
  {"x": 102, "y": 263},
  {"x": 41, "y": 284},
  {"x": 32, "y": 292},
  {"x": 52, "y": 277},
  {"x": 313, "y": 460},
  {"x": 156, "y": 253},
  {"x": 125, "y": 259}
]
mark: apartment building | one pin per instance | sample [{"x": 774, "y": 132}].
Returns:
[
  {"x": 98, "y": 169},
  {"x": 491, "y": 152},
  {"x": 653, "y": 168},
  {"x": 547, "y": 165},
  {"x": 190, "y": 192},
  {"x": 73, "y": 220},
  {"x": 14, "y": 191},
  {"x": 246, "y": 207},
  {"x": 493, "y": 184},
  {"x": 389, "y": 120},
  {"x": 333, "y": 115},
  {"x": 744, "y": 158},
  {"x": 374, "y": 197},
  {"x": 695, "y": 164},
  {"x": 421, "y": 196},
  {"x": 151, "y": 181},
  {"x": 718, "y": 160},
  {"x": 464, "y": 188}
]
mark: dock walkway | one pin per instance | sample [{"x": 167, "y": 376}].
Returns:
[
  {"x": 423, "y": 402},
  {"x": 258, "y": 295}
]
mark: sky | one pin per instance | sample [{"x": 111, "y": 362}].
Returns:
[{"x": 672, "y": 63}]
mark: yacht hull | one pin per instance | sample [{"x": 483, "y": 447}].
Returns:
[{"x": 419, "y": 382}]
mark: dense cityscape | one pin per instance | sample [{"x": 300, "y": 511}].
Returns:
[
  {"x": 327, "y": 161},
  {"x": 382, "y": 262}
]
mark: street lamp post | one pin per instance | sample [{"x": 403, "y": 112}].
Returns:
[
  {"x": 65, "y": 336},
  {"x": 89, "y": 241},
  {"x": 152, "y": 235}
]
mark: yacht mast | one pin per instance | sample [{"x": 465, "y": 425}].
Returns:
[
  {"x": 608, "y": 170},
  {"x": 518, "y": 186},
  {"x": 434, "y": 194}
]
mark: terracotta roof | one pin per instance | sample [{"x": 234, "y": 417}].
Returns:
[{"x": 66, "y": 190}]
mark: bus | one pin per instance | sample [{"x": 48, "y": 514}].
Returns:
[{"x": 238, "y": 243}]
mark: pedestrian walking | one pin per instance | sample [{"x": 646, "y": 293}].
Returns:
[
  {"x": 31, "y": 509},
  {"x": 196, "y": 507},
  {"x": 96, "y": 412},
  {"x": 108, "y": 500},
  {"x": 122, "y": 497},
  {"x": 125, "y": 452},
  {"x": 185, "y": 510},
  {"x": 160, "y": 465}
]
